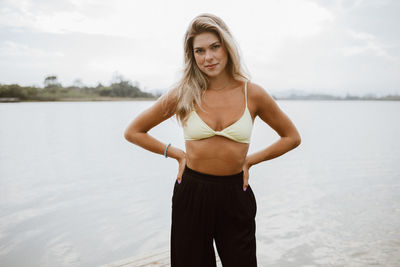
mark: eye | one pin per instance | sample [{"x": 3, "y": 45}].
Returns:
[
  {"x": 216, "y": 46},
  {"x": 198, "y": 51}
]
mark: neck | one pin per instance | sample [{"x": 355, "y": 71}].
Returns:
[{"x": 220, "y": 82}]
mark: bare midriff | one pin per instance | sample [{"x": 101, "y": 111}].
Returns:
[{"x": 216, "y": 155}]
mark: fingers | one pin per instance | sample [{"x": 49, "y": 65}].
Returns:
[
  {"x": 179, "y": 177},
  {"x": 245, "y": 177},
  {"x": 180, "y": 171},
  {"x": 245, "y": 180},
  {"x": 245, "y": 187}
]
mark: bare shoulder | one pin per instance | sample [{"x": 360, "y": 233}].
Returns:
[
  {"x": 161, "y": 110},
  {"x": 168, "y": 101},
  {"x": 169, "y": 97},
  {"x": 260, "y": 100},
  {"x": 269, "y": 111}
]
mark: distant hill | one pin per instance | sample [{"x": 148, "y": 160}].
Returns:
[{"x": 294, "y": 94}]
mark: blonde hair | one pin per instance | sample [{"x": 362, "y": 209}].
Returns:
[{"x": 194, "y": 81}]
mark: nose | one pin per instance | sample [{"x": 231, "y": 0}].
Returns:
[{"x": 209, "y": 55}]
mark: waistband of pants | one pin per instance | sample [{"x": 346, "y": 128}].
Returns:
[{"x": 232, "y": 178}]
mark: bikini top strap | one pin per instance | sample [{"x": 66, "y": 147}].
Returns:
[{"x": 245, "y": 92}]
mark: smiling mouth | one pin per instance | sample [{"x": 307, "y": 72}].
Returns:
[{"x": 211, "y": 66}]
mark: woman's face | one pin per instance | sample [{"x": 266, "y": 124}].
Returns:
[{"x": 211, "y": 57}]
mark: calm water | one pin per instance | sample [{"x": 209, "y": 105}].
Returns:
[{"x": 73, "y": 192}]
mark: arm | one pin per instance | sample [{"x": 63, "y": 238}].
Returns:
[
  {"x": 270, "y": 113},
  {"x": 136, "y": 132}
]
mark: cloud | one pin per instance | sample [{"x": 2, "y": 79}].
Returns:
[
  {"x": 368, "y": 43},
  {"x": 56, "y": 16},
  {"x": 10, "y": 49},
  {"x": 285, "y": 44}
]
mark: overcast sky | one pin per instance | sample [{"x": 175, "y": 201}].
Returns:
[{"x": 337, "y": 46}]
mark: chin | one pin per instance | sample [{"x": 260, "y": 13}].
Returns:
[{"x": 212, "y": 73}]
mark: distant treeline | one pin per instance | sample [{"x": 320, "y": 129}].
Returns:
[
  {"x": 54, "y": 91},
  {"x": 121, "y": 89}
]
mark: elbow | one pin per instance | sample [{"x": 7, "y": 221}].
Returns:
[
  {"x": 129, "y": 136},
  {"x": 133, "y": 135},
  {"x": 296, "y": 141},
  {"x": 293, "y": 141}
]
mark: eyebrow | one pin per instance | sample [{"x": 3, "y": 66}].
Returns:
[{"x": 209, "y": 45}]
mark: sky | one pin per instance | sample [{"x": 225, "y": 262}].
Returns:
[{"x": 325, "y": 46}]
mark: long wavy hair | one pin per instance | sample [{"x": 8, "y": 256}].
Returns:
[{"x": 194, "y": 82}]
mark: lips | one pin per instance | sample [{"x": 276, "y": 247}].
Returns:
[{"x": 211, "y": 66}]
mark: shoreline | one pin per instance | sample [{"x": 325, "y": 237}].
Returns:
[
  {"x": 89, "y": 99},
  {"x": 122, "y": 99}
]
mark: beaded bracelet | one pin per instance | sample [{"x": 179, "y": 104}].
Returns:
[{"x": 165, "y": 150}]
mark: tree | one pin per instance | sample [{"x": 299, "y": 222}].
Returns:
[
  {"x": 51, "y": 81},
  {"x": 78, "y": 83}
]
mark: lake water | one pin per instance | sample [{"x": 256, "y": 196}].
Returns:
[{"x": 74, "y": 192}]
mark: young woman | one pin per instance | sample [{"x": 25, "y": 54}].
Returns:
[{"x": 216, "y": 106}]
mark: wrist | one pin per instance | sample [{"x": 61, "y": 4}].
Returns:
[
  {"x": 181, "y": 155},
  {"x": 175, "y": 153},
  {"x": 247, "y": 163}
]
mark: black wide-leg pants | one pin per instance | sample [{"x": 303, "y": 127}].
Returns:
[{"x": 207, "y": 207}]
